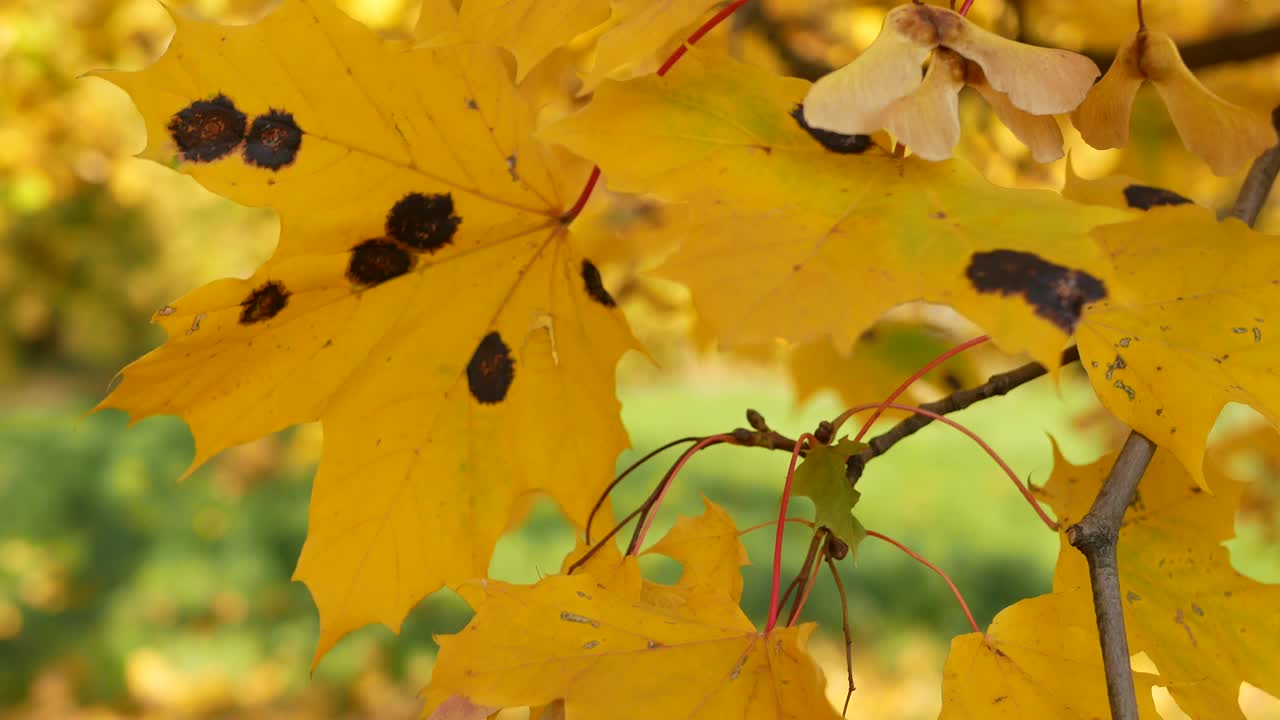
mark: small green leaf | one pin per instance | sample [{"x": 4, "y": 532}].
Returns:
[{"x": 821, "y": 478}]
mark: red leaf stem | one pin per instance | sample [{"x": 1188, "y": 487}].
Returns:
[
  {"x": 1049, "y": 523},
  {"x": 652, "y": 510},
  {"x": 907, "y": 383},
  {"x": 915, "y": 556},
  {"x": 782, "y": 526},
  {"x": 670, "y": 62}
]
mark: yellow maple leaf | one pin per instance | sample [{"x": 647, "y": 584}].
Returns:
[
  {"x": 882, "y": 358},
  {"x": 530, "y": 29},
  {"x": 1205, "y": 626},
  {"x": 425, "y": 302},
  {"x": 1224, "y": 135},
  {"x": 1118, "y": 191},
  {"x": 1187, "y": 328},
  {"x": 638, "y": 29},
  {"x": 609, "y": 644},
  {"x": 709, "y": 551},
  {"x": 793, "y": 240},
  {"x": 1039, "y": 659},
  {"x": 619, "y": 33}
]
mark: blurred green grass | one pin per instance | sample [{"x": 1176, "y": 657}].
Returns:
[{"x": 105, "y": 555}]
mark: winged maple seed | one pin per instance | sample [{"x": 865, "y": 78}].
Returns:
[
  {"x": 1224, "y": 135},
  {"x": 883, "y": 89}
]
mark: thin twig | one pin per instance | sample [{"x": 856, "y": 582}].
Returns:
[
  {"x": 1258, "y": 183},
  {"x": 596, "y": 548},
  {"x": 1096, "y": 536},
  {"x": 809, "y": 571},
  {"x": 848, "y": 632},
  {"x": 623, "y": 476},
  {"x": 908, "y": 382},
  {"x": 959, "y": 400},
  {"x": 1227, "y": 48}
]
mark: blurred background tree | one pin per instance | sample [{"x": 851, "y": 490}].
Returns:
[{"x": 125, "y": 594}]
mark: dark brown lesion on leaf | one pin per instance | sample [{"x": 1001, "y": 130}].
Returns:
[
  {"x": 423, "y": 222},
  {"x": 206, "y": 130},
  {"x": 1057, "y": 293},
  {"x": 374, "y": 262},
  {"x": 595, "y": 286},
  {"x": 274, "y": 140},
  {"x": 264, "y": 303},
  {"x": 833, "y": 141},
  {"x": 1145, "y": 197},
  {"x": 491, "y": 370}
]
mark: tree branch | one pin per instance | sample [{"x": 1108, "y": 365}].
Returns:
[
  {"x": 1096, "y": 536},
  {"x": 1240, "y": 46},
  {"x": 959, "y": 400},
  {"x": 1258, "y": 183},
  {"x": 1231, "y": 47},
  {"x": 1098, "y": 533}
]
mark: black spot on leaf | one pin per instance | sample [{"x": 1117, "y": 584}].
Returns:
[
  {"x": 273, "y": 140},
  {"x": 206, "y": 130},
  {"x": 491, "y": 370},
  {"x": 595, "y": 288},
  {"x": 264, "y": 303},
  {"x": 1145, "y": 197},
  {"x": 833, "y": 141},
  {"x": 423, "y": 222},
  {"x": 374, "y": 262},
  {"x": 1057, "y": 293}
]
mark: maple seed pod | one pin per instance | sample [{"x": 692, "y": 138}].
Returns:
[
  {"x": 273, "y": 140},
  {"x": 264, "y": 303},
  {"x": 491, "y": 370},
  {"x": 595, "y": 287},
  {"x": 833, "y": 141},
  {"x": 206, "y": 130},
  {"x": 423, "y": 222},
  {"x": 374, "y": 262},
  {"x": 1057, "y": 293},
  {"x": 1145, "y": 197}
]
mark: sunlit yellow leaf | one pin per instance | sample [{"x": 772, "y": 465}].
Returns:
[
  {"x": 435, "y": 19},
  {"x": 612, "y": 651},
  {"x": 425, "y": 301},
  {"x": 1118, "y": 191},
  {"x": 882, "y": 358},
  {"x": 1039, "y": 659},
  {"x": 1188, "y": 327},
  {"x": 530, "y": 29},
  {"x": 617, "y": 33},
  {"x": 1205, "y": 626},
  {"x": 796, "y": 241},
  {"x": 710, "y": 552}
]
